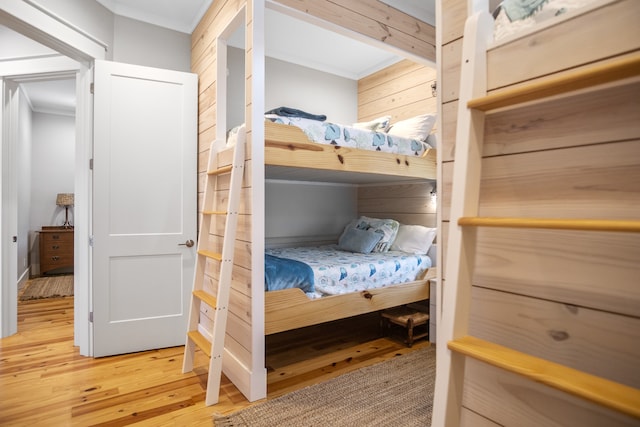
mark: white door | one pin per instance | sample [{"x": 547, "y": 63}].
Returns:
[{"x": 144, "y": 206}]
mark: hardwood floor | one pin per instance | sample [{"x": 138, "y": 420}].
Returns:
[{"x": 45, "y": 382}]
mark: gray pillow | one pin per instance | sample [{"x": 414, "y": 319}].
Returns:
[{"x": 356, "y": 240}]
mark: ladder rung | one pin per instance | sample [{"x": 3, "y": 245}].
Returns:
[
  {"x": 596, "y": 389},
  {"x": 551, "y": 223},
  {"x": 214, "y": 212},
  {"x": 220, "y": 171},
  {"x": 206, "y": 297},
  {"x": 200, "y": 341},
  {"x": 628, "y": 66},
  {"x": 210, "y": 254}
]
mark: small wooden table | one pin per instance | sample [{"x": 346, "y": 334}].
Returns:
[{"x": 408, "y": 318}]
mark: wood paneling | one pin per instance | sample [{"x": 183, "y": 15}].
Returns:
[
  {"x": 376, "y": 20},
  {"x": 527, "y": 58},
  {"x": 565, "y": 333},
  {"x": 451, "y": 57},
  {"x": 566, "y": 296},
  {"x": 402, "y": 90},
  {"x": 454, "y": 15},
  {"x": 511, "y": 400},
  {"x": 409, "y": 203}
]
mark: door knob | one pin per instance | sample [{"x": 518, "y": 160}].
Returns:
[{"x": 188, "y": 243}]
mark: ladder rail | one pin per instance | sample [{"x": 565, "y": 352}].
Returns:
[
  {"x": 213, "y": 346},
  {"x": 478, "y": 35},
  {"x": 225, "y": 277},
  {"x": 610, "y": 394}
]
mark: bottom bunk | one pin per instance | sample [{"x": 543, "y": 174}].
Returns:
[
  {"x": 315, "y": 284},
  {"x": 289, "y": 309}
]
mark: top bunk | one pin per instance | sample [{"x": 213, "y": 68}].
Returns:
[
  {"x": 558, "y": 36},
  {"x": 292, "y": 153}
]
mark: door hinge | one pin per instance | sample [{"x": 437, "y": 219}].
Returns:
[
  {"x": 90, "y": 164},
  {"x": 91, "y": 241},
  {"x": 91, "y": 317},
  {"x": 91, "y": 88}
]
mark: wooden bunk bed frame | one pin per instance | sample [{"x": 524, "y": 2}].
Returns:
[
  {"x": 288, "y": 146},
  {"x": 292, "y": 309},
  {"x": 289, "y": 309}
]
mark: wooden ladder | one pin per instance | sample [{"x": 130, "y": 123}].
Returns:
[
  {"x": 461, "y": 252},
  {"x": 213, "y": 346}
]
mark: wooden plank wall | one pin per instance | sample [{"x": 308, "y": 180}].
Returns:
[
  {"x": 240, "y": 325},
  {"x": 375, "y": 20},
  {"x": 402, "y": 90},
  {"x": 566, "y": 296}
]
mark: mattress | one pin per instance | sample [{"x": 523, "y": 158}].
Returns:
[{"x": 337, "y": 272}]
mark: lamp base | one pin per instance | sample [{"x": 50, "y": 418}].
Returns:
[{"x": 66, "y": 224}]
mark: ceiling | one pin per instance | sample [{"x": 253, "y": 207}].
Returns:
[{"x": 288, "y": 39}]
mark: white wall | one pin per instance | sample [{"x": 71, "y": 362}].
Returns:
[
  {"x": 307, "y": 212},
  {"x": 235, "y": 87},
  {"x": 52, "y": 172},
  {"x": 313, "y": 91},
  {"x": 136, "y": 42}
]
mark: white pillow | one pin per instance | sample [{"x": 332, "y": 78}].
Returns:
[
  {"x": 234, "y": 134},
  {"x": 417, "y": 127},
  {"x": 414, "y": 239},
  {"x": 381, "y": 124},
  {"x": 387, "y": 227}
]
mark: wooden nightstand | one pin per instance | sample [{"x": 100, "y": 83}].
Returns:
[{"x": 56, "y": 249}]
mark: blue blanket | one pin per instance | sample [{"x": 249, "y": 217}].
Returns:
[
  {"x": 292, "y": 112},
  {"x": 283, "y": 273}
]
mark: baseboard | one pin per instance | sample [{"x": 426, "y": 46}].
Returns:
[{"x": 24, "y": 277}]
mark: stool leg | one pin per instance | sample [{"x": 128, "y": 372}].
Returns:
[{"x": 410, "y": 332}]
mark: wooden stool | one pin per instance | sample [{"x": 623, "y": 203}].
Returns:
[{"x": 407, "y": 318}]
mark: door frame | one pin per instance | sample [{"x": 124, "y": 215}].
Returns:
[{"x": 51, "y": 30}]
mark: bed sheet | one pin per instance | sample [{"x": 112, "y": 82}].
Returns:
[
  {"x": 338, "y": 272},
  {"x": 348, "y": 136}
]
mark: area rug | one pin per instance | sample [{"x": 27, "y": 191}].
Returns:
[
  {"x": 396, "y": 392},
  {"x": 47, "y": 287}
]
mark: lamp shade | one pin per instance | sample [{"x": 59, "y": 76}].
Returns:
[{"x": 64, "y": 199}]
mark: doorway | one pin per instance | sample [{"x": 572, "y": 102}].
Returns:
[
  {"x": 45, "y": 182},
  {"x": 41, "y": 146}
]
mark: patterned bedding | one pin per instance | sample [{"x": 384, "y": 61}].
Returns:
[
  {"x": 347, "y": 136},
  {"x": 515, "y": 16},
  {"x": 338, "y": 272}
]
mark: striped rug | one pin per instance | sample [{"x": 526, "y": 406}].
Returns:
[{"x": 47, "y": 287}]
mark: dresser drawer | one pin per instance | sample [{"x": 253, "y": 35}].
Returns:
[{"x": 56, "y": 249}]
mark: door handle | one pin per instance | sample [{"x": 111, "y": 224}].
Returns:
[{"x": 188, "y": 243}]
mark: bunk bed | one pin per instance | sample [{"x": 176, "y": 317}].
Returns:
[
  {"x": 290, "y": 153},
  {"x": 541, "y": 291},
  {"x": 289, "y": 147}
]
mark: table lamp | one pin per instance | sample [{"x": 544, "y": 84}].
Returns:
[{"x": 66, "y": 200}]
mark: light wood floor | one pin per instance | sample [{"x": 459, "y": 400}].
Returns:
[{"x": 44, "y": 382}]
